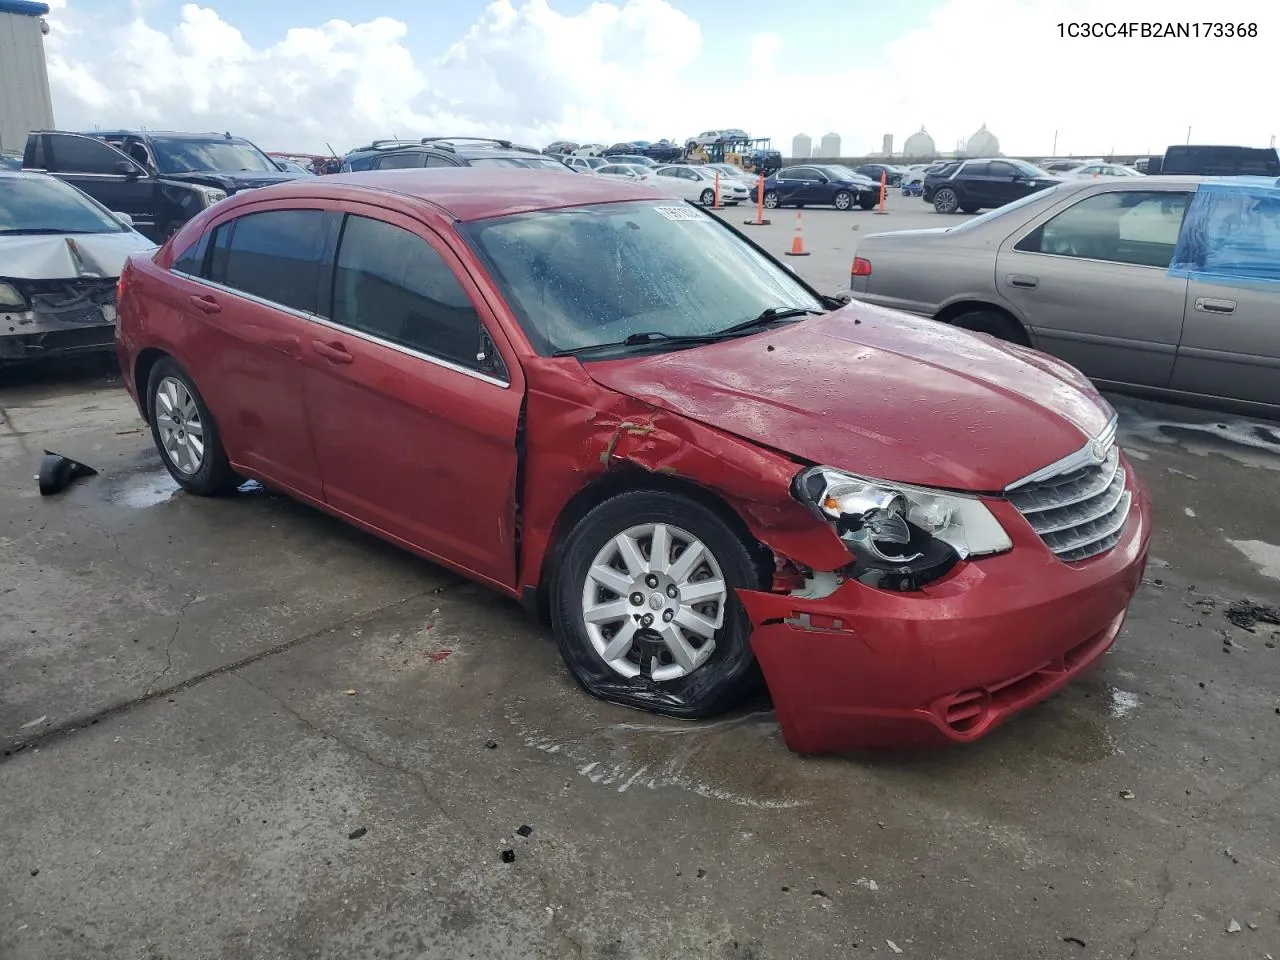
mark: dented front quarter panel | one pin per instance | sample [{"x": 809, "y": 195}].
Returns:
[{"x": 577, "y": 431}]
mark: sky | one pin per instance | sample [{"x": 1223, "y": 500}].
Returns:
[{"x": 305, "y": 76}]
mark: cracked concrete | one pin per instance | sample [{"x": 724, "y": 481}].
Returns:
[{"x": 201, "y": 765}]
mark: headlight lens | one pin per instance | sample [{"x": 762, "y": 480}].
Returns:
[
  {"x": 211, "y": 195},
  {"x": 911, "y": 531},
  {"x": 10, "y": 297}
]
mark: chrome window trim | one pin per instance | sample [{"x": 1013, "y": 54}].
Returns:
[
  {"x": 1083, "y": 457},
  {"x": 368, "y": 338}
]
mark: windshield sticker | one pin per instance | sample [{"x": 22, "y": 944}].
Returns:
[{"x": 679, "y": 213}]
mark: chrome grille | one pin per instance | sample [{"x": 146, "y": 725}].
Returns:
[{"x": 1081, "y": 511}]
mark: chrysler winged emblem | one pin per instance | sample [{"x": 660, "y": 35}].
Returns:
[{"x": 1098, "y": 450}]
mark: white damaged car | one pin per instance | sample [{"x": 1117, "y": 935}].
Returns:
[{"x": 61, "y": 253}]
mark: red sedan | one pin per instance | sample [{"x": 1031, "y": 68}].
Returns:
[{"x": 611, "y": 405}]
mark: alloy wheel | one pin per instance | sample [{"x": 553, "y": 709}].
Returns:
[{"x": 180, "y": 426}]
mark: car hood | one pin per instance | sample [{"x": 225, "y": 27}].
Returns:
[
  {"x": 67, "y": 256},
  {"x": 231, "y": 182},
  {"x": 880, "y": 394}
]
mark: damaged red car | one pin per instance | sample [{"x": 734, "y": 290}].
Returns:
[{"x": 611, "y": 405}]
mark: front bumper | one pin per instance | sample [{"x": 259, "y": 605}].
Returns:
[
  {"x": 868, "y": 668},
  {"x": 30, "y": 333}
]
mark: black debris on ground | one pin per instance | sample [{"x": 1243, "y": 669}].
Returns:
[
  {"x": 525, "y": 830},
  {"x": 1076, "y": 940},
  {"x": 508, "y": 856},
  {"x": 491, "y": 744},
  {"x": 701, "y": 873},
  {"x": 357, "y": 833},
  {"x": 57, "y": 472},
  {"x": 1246, "y": 614}
]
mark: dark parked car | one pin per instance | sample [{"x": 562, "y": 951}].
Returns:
[
  {"x": 893, "y": 175},
  {"x": 605, "y": 402},
  {"x": 972, "y": 185},
  {"x": 161, "y": 180},
  {"x": 819, "y": 185},
  {"x": 446, "y": 152},
  {"x": 1207, "y": 161},
  {"x": 664, "y": 151},
  {"x": 10, "y": 161}
]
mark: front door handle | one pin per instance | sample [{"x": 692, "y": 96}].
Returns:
[
  {"x": 206, "y": 304},
  {"x": 1210, "y": 305},
  {"x": 333, "y": 352},
  {"x": 1026, "y": 283}
]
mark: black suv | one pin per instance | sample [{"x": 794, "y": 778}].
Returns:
[
  {"x": 972, "y": 185},
  {"x": 446, "y": 152},
  {"x": 161, "y": 180}
]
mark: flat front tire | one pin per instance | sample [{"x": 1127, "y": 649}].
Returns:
[
  {"x": 644, "y": 607},
  {"x": 184, "y": 432}
]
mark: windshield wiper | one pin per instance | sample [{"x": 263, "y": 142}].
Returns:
[
  {"x": 766, "y": 317},
  {"x": 640, "y": 339},
  {"x": 35, "y": 231}
]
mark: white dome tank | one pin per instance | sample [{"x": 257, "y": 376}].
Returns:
[
  {"x": 983, "y": 144},
  {"x": 920, "y": 146}
]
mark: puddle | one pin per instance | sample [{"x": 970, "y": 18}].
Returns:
[
  {"x": 145, "y": 490},
  {"x": 1265, "y": 556},
  {"x": 1136, "y": 454},
  {"x": 1253, "y": 443},
  {"x": 1123, "y": 703}
]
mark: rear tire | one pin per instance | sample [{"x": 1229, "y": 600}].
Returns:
[
  {"x": 720, "y": 676},
  {"x": 996, "y": 324},
  {"x": 185, "y": 434},
  {"x": 946, "y": 201}
]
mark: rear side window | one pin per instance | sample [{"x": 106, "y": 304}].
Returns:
[
  {"x": 191, "y": 262},
  {"x": 975, "y": 169},
  {"x": 1132, "y": 227},
  {"x": 399, "y": 161},
  {"x": 393, "y": 285},
  {"x": 276, "y": 256},
  {"x": 361, "y": 163}
]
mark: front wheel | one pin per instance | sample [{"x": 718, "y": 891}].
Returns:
[
  {"x": 867, "y": 203},
  {"x": 708, "y": 197},
  {"x": 771, "y": 200},
  {"x": 946, "y": 201},
  {"x": 644, "y": 608},
  {"x": 184, "y": 432},
  {"x": 843, "y": 200}
]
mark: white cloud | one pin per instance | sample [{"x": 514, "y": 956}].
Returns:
[{"x": 631, "y": 68}]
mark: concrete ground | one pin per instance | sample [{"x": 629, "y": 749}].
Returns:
[{"x": 237, "y": 729}]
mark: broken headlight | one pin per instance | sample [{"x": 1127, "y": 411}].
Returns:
[
  {"x": 11, "y": 297},
  {"x": 902, "y": 537},
  {"x": 209, "y": 195}
]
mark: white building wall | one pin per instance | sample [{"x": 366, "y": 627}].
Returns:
[{"x": 25, "y": 104}]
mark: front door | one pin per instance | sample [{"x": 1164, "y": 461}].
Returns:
[
  {"x": 117, "y": 182},
  {"x": 246, "y": 291},
  {"x": 415, "y": 433},
  {"x": 1231, "y": 328},
  {"x": 1092, "y": 283}
]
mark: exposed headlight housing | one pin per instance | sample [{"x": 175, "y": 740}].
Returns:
[
  {"x": 902, "y": 537},
  {"x": 210, "y": 195},
  {"x": 10, "y": 297}
]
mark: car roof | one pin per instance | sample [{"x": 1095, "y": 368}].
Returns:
[
  {"x": 467, "y": 193},
  {"x": 152, "y": 134}
]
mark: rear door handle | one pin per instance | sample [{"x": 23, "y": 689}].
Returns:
[
  {"x": 206, "y": 304},
  {"x": 1210, "y": 305},
  {"x": 1026, "y": 283},
  {"x": 333, "y": 352}
]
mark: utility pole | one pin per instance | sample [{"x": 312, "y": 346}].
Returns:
[
  {"x": 1055, "y": 144},
  {"x": 1188, "y": 134}
]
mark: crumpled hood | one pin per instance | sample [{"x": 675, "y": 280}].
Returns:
[
  {"x": 881, "y": 394},
  {"x": 231, "y": 182},
  {"x": 67, "y": 256}
]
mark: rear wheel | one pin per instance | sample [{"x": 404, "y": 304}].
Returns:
[
  {"x": 184, "y": 432},
  {"x": 843, "y": 200},
  {"x": 946, "y": 201},
  {"x": 771, "y": 200},
  {"x": 644, "y": 608},
  {"x": 992, "y": 322}
]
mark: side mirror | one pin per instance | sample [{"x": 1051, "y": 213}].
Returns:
[
  {"x": 123, "y": 218},
  {"x": 128, "y": 168}
]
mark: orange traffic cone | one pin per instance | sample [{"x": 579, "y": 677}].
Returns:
[{"x": 797, "y": 240}]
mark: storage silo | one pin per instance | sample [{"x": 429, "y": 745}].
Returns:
[
  {"x": 801, "y": 146},
  {"x": 25, "y": 104},
  {"x": 983, "y": 144},
  {"x": 829, "y": 146},
  {"x": 919, "y": 146},
  {"x": 886, "y": 145}
]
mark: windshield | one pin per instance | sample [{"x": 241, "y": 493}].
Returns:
[
  {"x": 46, "y": 205},
  {"x": 219, "y": 156},
  {"x": 598, "y": 274},
  {"x": 529, "y": 162},
  {"x": 1030, "y": 198}
]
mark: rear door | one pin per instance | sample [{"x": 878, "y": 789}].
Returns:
[
  {"x": 1231, "y": 328},
  {"x": 974, "y": 187},
  {"x": 104, "y": 173},
  {"x": 413, "y": 405},
  {"x": 1091, "y": 281}
]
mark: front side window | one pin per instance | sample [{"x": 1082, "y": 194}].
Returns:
[
  {"x": 42, "y": 204},
  {"x": 273, "y": 255},
  {"x": 1134, "y": 227},
  {"x": 598, "y": 274},
  {"x": 976, "y": 168},
  {"x": 75, "y": 154},
  {"x": 393, "y": 285}
]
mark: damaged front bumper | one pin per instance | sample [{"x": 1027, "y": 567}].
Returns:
[
  {"x": 866, "y": 668},
  {"x": 58, "y": 317}
]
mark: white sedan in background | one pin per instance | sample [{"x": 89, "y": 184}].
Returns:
[
  {"x": 699, "y": 184},
  {"x": 1087, "y": 171},
  {"x": 633, "y": 172},
  {"x": 586, "y": 164}
]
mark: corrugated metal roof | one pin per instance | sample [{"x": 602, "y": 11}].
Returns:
[{"x": 24, "y": 8}]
